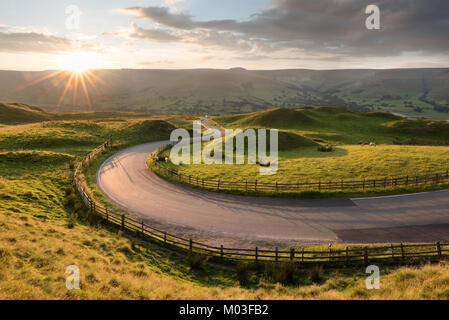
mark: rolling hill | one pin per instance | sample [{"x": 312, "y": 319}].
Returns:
[
  {"x": 420, "y": 93},
  {"x": 12, "y": 113}
]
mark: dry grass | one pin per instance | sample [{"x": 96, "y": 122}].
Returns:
[
  {"x": 39, "y": 238},
  {"x": 35, "y": 254}
]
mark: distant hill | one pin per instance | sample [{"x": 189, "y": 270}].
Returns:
[{"x": 420, "y": 93}]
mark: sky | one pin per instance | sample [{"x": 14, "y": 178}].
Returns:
[{"x": 253, "y": 34}]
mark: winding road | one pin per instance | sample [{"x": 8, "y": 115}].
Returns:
[{"x": 126, "y": 180}]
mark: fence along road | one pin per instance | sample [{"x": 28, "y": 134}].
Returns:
[{"x": 125, "y": 179}]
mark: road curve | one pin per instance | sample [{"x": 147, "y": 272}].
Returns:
[{"x": 125, "y": 179}]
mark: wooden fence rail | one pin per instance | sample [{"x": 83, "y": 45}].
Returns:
[
  {"x": 350, "y": 255},
  {"x": 340, "y": 185}
]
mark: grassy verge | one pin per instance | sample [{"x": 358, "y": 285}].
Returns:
[
  {"x": 404, "y": 148},
  {"x": 44, "y": 228},
  {"x": 304, "y": 194}
]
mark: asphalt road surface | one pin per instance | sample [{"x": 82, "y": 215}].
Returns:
[{"x": 126, "y": 180}]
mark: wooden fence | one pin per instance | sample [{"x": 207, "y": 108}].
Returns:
[
  {"x": 341, "y": 185},
  {"x": 349, "y": 255}
]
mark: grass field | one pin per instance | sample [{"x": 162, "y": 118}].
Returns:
[
  {"x": 44, "y": 229},
  {"x": 404, "y": 147}
]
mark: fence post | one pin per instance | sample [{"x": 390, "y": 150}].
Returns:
[
  {"x": 347, "y": 255},
  {"x": 302, "y": 255},
  {"x": 277, "y": 190},
  {"x": 406, "y": 183},
  {"x": 221, "y": 252},
  {"x": 364, "y": 181},
  {"x": 402, "y": 251},
  {"x": 277, "y": 254},
  {"x": 257, "y": 254},
  {"x": 191, "y": 245},
  {"x": 143, "y": 228},
  {"x": 292, "y": 254},
  {"x": 123, "y": 222},
  {"x": 165, "y": 237},
  {"x": 190, "y": 179},
  {"x": 218, "y": 185},
  {"x": 255, "y": 185},
  {"x": 246, "y": 185},
  {"x": 365, "y": 255},
  {"x": 392, "y": 251},
  {"x": 107, "y": 214},
  {"x": 439, "y": 250}
]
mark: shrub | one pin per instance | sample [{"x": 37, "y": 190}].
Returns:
[
  {"x": 68, "y": 191},
  {"x": 71, "y": 224},
  {"x": 241, "y": 271},
  {"x": 281, "y": 273},
  {"x": 196, "y": 261},
  {"x": 71, "y": 200},
  {"x": 285, "y": 273},
  {"x": 325, "y": 148},
  {"x": 315, "y": 275}
]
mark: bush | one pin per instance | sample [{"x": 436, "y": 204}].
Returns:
[
  {"x": 315, "y": 275},
  {"x": 71, "y": 200},
  {"x": 285, "y": 273},
  {"x": 242, "y": 273},
  {"x": 92, "y": 218},
  {"x": 70, "y": 224},
  {"x": 281, "y": 273},
  {"x": 196, "y": 261},
  {"x": 68, "y": 191},
  {"x": 325, "y": 148}
]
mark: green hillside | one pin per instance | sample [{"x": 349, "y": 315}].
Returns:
[
  {"x": 44, "y": 229},
  {"x": 343, "y": 126},
  {"x": 16, "y": 113},
  {"x": 404, "y": 147},
  {"x": 12, "y": 113},
  {"x": 419, "y": 93}
]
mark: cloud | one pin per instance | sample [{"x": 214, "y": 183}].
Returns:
[
  {"x": 153, "y": 34},
  {"x": 33, "y": 42},
  {"x": 162, "y": 15},
  {"x": 26, "y": 39},
  {"x": 327, "y": 26},
  {"x": 206, "y": 38}
]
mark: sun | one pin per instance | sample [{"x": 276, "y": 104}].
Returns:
[{"x": 78, "y": 61}]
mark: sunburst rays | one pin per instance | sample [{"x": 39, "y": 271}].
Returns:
[{"x": 71, "y": 81}]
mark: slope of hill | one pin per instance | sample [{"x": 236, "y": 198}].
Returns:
[
  {"x": 12, "y": 113},
  {"x": 344, "y": 126},
  {"x": 16, "y": 113},
  {"x": 413, "y": 92}
]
